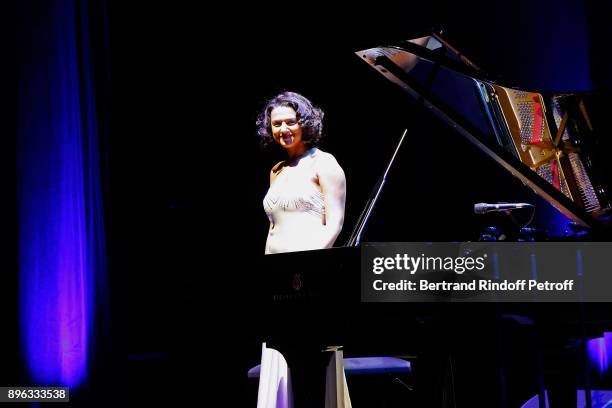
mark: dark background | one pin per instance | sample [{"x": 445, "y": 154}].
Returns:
[
  {"x": 186, "y": 94},
  {"x": 186, "y": 176}
]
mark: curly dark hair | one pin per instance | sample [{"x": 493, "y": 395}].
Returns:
[{"x": 310, "y": 118}]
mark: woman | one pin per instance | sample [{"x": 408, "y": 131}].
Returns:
[{"x": 305, "y": 202}]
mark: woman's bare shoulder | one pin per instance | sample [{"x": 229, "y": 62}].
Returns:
[
  {"x": 327, "y": 161},
  {"x": 275, "y": 170},
  {"x": 277, "y": 167}
]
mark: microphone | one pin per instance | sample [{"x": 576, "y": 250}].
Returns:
[{"x": 482, "y": 208}]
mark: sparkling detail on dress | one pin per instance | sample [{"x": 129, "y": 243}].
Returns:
[{"x": 293, "y": 191}]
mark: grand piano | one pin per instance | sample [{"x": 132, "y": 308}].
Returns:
[
  {"x": 546, "y": 140},
  {"x": 469, "y": 353}
]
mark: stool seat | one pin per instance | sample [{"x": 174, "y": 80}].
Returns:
[
  {"x": 363, "y": 365},
  {"x": 376, "y": 365}
]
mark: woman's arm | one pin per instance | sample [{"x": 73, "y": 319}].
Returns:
[
  {"x": 273, "y": 173},
  {"x": 333, "y": 186},
  {"x": 267, "y": 249}
]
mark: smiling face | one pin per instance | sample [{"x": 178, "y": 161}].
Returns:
[{"x": 286, "y": 129}]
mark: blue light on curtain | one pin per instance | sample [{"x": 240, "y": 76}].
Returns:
[{"x": 62, "y": 267}]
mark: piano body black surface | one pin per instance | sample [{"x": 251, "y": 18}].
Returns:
[{"x": 463, "y": 353}]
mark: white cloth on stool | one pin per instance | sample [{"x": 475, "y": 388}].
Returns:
[
  {"x": 274, "y": 381},
  {"x": 336, "y": 388}
]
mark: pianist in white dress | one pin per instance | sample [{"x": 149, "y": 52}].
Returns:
[{"x": 305, "y": 202}]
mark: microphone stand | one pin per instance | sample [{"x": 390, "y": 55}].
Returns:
[{"x": 355, "y": 237}]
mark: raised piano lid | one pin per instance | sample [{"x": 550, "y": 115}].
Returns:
[{"x": 517, "y": 128}]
